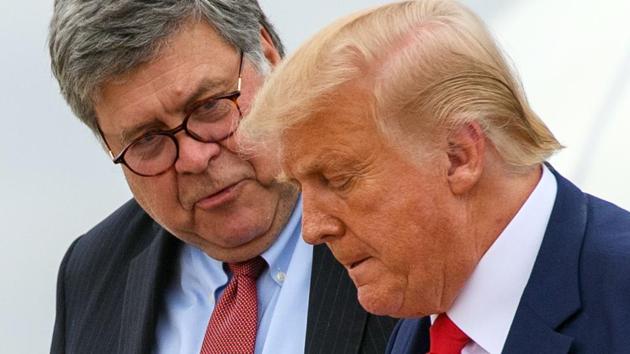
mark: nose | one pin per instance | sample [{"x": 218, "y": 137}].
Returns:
[
  {"x": 319, "y": 225},
  {"x": 194, "y": 156}
]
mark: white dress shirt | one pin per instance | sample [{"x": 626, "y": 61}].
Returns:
[{"x": 485, "y": 308}]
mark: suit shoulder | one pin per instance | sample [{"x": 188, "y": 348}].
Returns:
[
  {"x": 95, "y": 276},
  {"x": 604, "y": 280},
  {"x": 605, "y": 257},
  {"x": 607, "y": 230},
  {"x": 116, "y": 239}
]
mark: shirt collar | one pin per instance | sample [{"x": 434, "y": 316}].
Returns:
[
  {"x": 278, "y": 256},
  {"x": 486, "y": 306}
]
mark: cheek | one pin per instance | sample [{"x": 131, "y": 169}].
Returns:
[
  {"x": 410, "y": 236},
  {"x": 427, "y": 247},
  {"x": 266, "y": 167},
  {"x": 156, "y": 195},
  {"x": 251, "y": 85},
  {"x": 393, "y": 223}
]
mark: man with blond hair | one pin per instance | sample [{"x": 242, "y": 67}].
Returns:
[
  {"x": 207, "y": 256},
  {"x": 422, "y": 167}
]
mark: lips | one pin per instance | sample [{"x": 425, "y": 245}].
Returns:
[
  {"x": 349, "y": 255},
  {"x": 357, "y": 263},
  {"x": 220, "y": 197}
]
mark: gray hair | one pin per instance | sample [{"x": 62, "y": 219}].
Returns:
[{"x": 95, "y": 40}]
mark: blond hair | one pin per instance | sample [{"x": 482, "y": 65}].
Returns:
[{"x": 426, "y": 63}]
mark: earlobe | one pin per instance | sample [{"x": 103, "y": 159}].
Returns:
[
  {"x": 466, "y": 147},
  {"x": 268, "y": 48}
]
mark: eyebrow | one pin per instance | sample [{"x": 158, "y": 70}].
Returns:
[{"x": 205, "y": 86}]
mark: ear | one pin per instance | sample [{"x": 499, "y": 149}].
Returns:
[
  {"x": 268, "y": 48},
  {"x": 466, "y": 147}
]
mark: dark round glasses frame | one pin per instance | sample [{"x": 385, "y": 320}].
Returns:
[{"x": 231, "y": 96}]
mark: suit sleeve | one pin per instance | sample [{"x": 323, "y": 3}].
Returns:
[{"x": 59, "y": 333}]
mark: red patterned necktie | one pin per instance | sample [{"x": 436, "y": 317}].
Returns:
[
  {"x": 446, "y": 337},
  {"x": 232, "y": 326}
]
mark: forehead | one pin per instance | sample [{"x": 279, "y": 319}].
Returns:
[
  {"x": 194, "y": 56},
  {"x": 346, "y": 131}
]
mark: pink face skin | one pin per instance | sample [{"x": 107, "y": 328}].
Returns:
[
  {"x": 211, "y": 197},
  {"x": 397, "y": 226}
]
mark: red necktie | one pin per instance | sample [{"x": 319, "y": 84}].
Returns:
[
  {"x": 446, "y": 337},
  {"x": 234, "y": 321}
]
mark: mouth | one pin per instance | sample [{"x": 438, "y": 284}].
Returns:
[
  {"x": 357, "y": 263},
  {"x": 220, "y": 197}
]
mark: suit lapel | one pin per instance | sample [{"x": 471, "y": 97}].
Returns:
[
  {"x": 148, "y": 271},
  {"x": 335, "y": 321},
  {"x": 552, "y": 293},
  {"x": 411, "y": 336}
]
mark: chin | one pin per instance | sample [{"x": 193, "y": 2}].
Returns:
[
  {"x": 381, "y": 303},
  {"x": 233, "y": 236},
  {"x": 422, "y": 305},
  {"x": 238, "y": 251}
]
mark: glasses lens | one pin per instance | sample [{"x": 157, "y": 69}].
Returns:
[
  {"x": 214, "y": 120},
  {"x": 151, "y": 155}
]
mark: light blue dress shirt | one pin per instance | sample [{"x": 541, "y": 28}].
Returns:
[{"x": 283, "y": 290}]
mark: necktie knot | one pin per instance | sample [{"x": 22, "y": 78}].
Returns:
[
  {"x": 446, "y": 337},
  {"x": 250, "y": 268}
]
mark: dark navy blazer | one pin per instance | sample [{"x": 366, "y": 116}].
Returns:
[
  {"x": 577, "y": 299},
  {"x": 111, "y": 288}
]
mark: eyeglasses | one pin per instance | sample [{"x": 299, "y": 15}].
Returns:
[{"x": 209, "y": 121}]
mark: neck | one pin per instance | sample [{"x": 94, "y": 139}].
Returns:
[{"x": 498, "y": 197}]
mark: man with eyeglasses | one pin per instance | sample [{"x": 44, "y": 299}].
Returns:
[{"x": 207, "y": 257}]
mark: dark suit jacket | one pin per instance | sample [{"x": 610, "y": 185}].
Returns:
[
  {"x": 111, "y": 282},
  {"x": 577, "y": 299}
]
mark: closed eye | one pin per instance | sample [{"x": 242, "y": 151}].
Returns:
[{"x": 340, "y": 183}]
